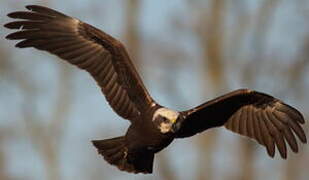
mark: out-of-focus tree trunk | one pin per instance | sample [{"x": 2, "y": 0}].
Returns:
[
  {"x": 239, "y": 33},
  {"x": 292, "y": 169},
  {"x": 8, "y": 131},
  {"x": 3, "y": 173},
  {"x": 164, "y": 167},
  {"x": 58, "y": 123},
  {"x": 132, "y": 35},
  {"x": 264, "y": 18},
  {"x": 46, "y": 138},
  {"x": 211, "y": 36},
  {"x": 246, "y": 161}
]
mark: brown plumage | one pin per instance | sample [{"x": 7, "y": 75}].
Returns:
[
  {"x": 90, "y": 49},
  {"x": 259, "y": 116},
  {"x": 256, "y": 115}
]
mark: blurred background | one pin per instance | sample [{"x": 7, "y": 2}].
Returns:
[{"x": 187, "y": 52}]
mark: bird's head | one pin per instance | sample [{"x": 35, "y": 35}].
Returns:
[{"x": 166, "y": 120}]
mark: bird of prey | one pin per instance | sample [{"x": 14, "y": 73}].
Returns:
[{"x": 256, "y": 115}]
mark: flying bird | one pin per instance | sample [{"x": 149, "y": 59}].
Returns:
[{"x": 256, "y": 115}]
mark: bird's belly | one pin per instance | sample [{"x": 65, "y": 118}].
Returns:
[
  {"x": 158, "y": 146},
  {"x": 149, "y": 139}
]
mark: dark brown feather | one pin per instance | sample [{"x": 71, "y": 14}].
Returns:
[
  {"x": 250, "y": 125},
  {"x": 45, "y": 10},
  {"x": 243, "y": 124},
  {"x": 23, "y": 25},
  {"x": 116, "y": 153},
  {"x": 257, "y": 127},
  {"x": 269, "y": 142},
  {"x": 256, "y": 115},
  {"x": 292, "y": 124},
  {"x": 29, "y": 16},
  {"x": 275, "y": 133},
  {"x": 104, "y": 57},
  {"x": 289, "y": 136}
]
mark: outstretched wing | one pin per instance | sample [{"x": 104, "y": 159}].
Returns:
[
  {"x": 81, "y": 44},
  {"x": 256, "y": 115}
]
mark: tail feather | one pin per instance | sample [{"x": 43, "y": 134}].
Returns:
[{"x": 116, "y": 153}]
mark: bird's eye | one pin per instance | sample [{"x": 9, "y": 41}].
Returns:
[{"x": 164, "y": 119}]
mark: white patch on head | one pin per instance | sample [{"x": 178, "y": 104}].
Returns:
[
  {"x": 168, "y": 114},
  {"x": 165, "y": 127}
]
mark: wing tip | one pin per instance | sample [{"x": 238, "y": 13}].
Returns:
[
  {"x": 291, "y": 111},
  {"x": 283, "y": 154},
  {"x": 270, "y": 151},
  {"x": 13, "y": 14},
  {"x": 31, "y": 6},
  {"x": 304, "y": 140},
  {"x": 271, "y": 154},
  {"x": 8, "y": 25},
  {"x": 9, "y": 37}
]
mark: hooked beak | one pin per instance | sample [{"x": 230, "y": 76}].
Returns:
[{"x": 176, "y": 126}]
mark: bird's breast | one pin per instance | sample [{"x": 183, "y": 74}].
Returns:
[{"x": 147, "y": 136}]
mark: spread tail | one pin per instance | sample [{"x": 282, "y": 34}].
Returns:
[{"x": 116, "y": 153}]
